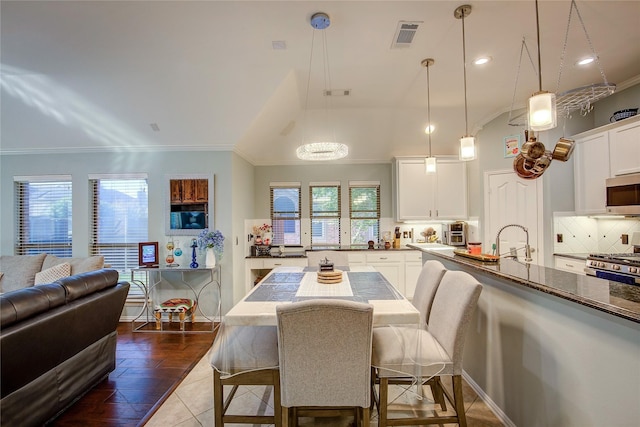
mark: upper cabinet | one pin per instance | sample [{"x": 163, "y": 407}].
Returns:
[
  {"x": 602, "y": 153},
  {"x": 189, "y": 191},
  {"x": 422, "y": 196},
  {"x": 624, "y": 148},
  {"x": 591, "y": 169}
]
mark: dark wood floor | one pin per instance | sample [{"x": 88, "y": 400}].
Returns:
[{"x": 149, "y": 367}]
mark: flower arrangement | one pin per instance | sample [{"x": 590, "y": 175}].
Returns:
[
  {"x": 211, "y": 239},
  {"x": 259, "y": 230}
]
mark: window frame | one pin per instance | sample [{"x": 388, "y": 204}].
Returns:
[
  {"x": 23, "y": 245},
  {"x": 319, "y": 216},
  {"x": 357, "y": 215},
  {"x": 281, "y": 215}
]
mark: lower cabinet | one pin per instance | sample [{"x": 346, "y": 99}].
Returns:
[
  {"x": 391, "y": 265},
  {"x": 572, "y": 265},
  {"x": 412, "y": 268}
]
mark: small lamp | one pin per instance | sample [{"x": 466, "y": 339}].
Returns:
[
  {"x": 542, "y": 104},
  {"x": 467, "y": 142},
  {"x": 430, "y": 161}
]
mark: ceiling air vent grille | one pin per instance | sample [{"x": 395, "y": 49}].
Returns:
[{"x": 405, "y": 32}]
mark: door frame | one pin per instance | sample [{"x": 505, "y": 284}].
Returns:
[{"x": 539, "y": 214}]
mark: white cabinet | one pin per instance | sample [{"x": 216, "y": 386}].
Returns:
[
  {"x": 422, "y": 196},
  {"x": 572, "y": 265},
  {"x": 390, "y": 264},
  {"x": 591, "y": 169},
  {"x": 412, "y": 268},
  {"x": 624, "y": 148},
  {"x": 357, "y": 258}
]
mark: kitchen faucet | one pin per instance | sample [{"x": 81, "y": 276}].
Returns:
[{"x": 527, "y": 248}]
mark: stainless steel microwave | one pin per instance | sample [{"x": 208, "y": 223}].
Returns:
[{"x": 623, "y": 194}]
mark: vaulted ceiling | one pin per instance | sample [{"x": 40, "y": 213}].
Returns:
[{"x": 84, "y": 76}]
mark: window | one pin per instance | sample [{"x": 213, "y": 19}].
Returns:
[
  {"x": 43, "y": 213},
  {"x": 364, "y": 212},
  {"x": 119, "y": 219},
  {"x": 285, "y": 213},
  {"x": 325, "y": 213}
]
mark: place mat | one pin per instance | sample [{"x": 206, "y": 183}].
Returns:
[
  {"x": 372, "y": 286},
  {"x": 281, "y": 292},
  {"x": 284, "y": 277}
]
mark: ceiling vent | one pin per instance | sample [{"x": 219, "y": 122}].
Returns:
[
  {"x": 337, "y": 92},
  {"x": 405, "y": 32}
]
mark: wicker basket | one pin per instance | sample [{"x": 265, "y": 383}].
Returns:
[{"x": 623, "y": 114}]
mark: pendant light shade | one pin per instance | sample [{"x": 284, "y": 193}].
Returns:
[
  {"x": 429, "y": 162},
  {"x": 542, "y": 111},
  {"x": 467, "y": 142},
  {"x": 542, "y": 104},
  {"x": 467, "y": 148}
]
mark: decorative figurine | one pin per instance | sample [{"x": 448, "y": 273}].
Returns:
[{"x": 194, "y": 245}]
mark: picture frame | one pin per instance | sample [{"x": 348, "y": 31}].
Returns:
[
  {"x": 148, "y": 254},
  {"x": 188, "y": 203},
  {"x": 512, "y": 145}
]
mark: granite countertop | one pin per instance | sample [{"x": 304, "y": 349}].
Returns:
[
  {"x": 611, "y": 297},
  {"x": 300, "y": 253}
]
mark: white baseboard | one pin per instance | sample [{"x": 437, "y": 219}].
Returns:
[{"x": 497, "y": 411}]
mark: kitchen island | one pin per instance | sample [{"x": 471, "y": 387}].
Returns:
[{"x": 549, "y": 347}]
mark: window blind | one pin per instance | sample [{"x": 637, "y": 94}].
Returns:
[
  {"x": 43, "y": 215},
  {"x": 364, "y": 212},
  {"x": 285, "y": 214},
  {"x": 324, "y": 212},
  {"x": 119, "y": 220}
]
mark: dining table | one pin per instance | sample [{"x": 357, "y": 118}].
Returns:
[{"x": 284, "y": 285}]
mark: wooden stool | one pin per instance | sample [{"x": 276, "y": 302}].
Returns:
[{"x": 183, "y": 306}]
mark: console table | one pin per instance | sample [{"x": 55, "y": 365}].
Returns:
[{"x": 185, "y": 279}]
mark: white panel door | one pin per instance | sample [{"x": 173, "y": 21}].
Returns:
[{"x": 510, "y": 199}]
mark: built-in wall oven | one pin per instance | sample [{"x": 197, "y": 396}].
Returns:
[{"x": 624, "y": 268}]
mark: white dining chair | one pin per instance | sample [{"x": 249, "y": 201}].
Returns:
[
  {"x": 401, "y": 355},
  {"x": 325, "y": 359},
  {"x": 245, "y": 355},
  {"x": 339, "y": 258}
]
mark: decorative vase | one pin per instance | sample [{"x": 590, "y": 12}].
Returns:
[{"x": 210, "y": 258}]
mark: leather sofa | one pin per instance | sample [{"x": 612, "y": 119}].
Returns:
[{"x": 57, "y": 341}]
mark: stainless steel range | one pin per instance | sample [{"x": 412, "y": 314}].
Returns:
[{"x": 623, "y": 267}]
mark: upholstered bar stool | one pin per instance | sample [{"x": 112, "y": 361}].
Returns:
[
  {"x": 401, "y": 355},
  {"x": 245, "y": 355},
  {"x": 325, "y": 359}
]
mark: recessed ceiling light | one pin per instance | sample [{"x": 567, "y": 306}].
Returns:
[
  {"x": 279, "y": 45},
  {"x": 429, "y": 129},
  {"x": 482, "y": 60},
  {"x": 586, "y": 61}
]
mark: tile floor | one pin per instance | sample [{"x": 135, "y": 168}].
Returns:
[{"x": 191, "y": 404}]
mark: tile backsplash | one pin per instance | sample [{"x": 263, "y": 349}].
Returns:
[{"x": 581, "y": 234}]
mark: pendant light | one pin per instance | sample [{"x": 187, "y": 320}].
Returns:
[
  {"x": 429, "y": 161},
  {"x": 542, "y": 104},
  {"x": 467, "y": 142},
  {"x": 321, "y": 150}
]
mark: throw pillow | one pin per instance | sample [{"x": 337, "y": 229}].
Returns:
[
  {"x": 78, "y": 265},
  {"x": 54, "y": 273}
]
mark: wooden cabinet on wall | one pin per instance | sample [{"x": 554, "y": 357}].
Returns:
[
  {"x": 422, "y": 196},
  {"x": 189, "y": 191}
]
